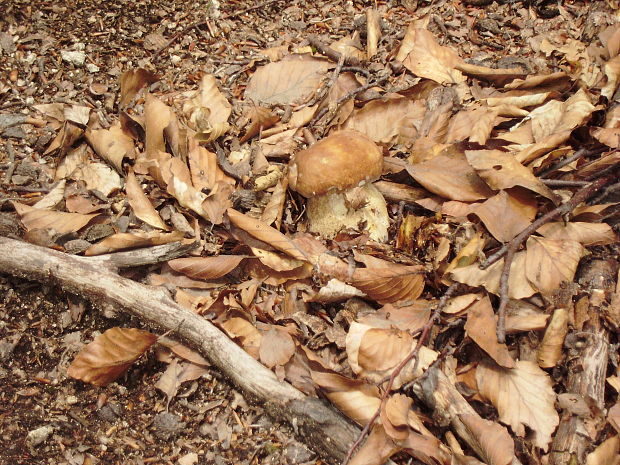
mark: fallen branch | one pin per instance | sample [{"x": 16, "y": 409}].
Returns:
[
  {"x": 324, "y": 429},
  {"x": 586, "y": 368},
  {"x": 509, "y": 250}
]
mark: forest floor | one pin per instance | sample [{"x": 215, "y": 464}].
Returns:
[{"x": 75, "y": 52}]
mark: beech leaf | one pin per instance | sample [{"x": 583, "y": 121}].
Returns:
[
  {"x": 109, "y": 355},
  {"x": 523, "y": 396}
]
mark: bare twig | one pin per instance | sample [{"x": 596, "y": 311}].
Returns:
[
  {"x": 425, "y": 333},
  {"x": 9, "y": 173},
  {"x": 562, "y": 183},
  {"x": 508, "y": 250},
  {"x": 349, "y": 95},
  {"x": 321, "y": 94},
  {"x": 330, "y": 52},
  {"x": 568, "y": 160},
  {"x": 206, "y": 22}
]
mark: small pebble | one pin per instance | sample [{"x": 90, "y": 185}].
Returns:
[
  {"x": 39, "y": 435},
  {"x": 75, "y": 58}
]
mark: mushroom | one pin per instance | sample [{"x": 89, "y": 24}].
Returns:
[{"x": 336, "y": 175}]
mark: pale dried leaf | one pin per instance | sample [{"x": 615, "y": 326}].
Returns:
[
  {"x": 98, "y": 176},
  {"x": 507, "y": 214},
  {"x": 584, "y": 233},
  {"x": 550, "y": 349},
  {"x": 374, "y": 352},
  {"x": 390, "y": 120},
  {"x": 549, "y": 262},
  {"x": 74, "y": 159},
  {"x": 276, "y": 347},
  {"x": 519, "y": 286},
  {"x": 290, "y": 81},
  {"x": 261, "y": 118},
  {"x": 356, "y": 399},
  {"x": 124, "y": 241},
  {"x": 77, "y": 114},
  {"x": 34, "y": 218},
  {"x": 275, "y": 260},
  {"x": 574, "y": 112},
  {"x": 612, "y": 71},
  {"x": 523, "y": 396},
  {"x": 113, "y": 145},
  {"x": 52, "y": 198},
  {"x": 204, "y": 169},
  {"x": 607, "y": 453},
  {"x": 248, "y": 336},
  {"x": 140, "y": 203},
  {"x": 394, "y": 416},
  {"x": 500, "y": 170},
  {"x": 208, "y": 111},
  {"x": 493, "y": 440},
  {"x": 424, "y": 57},
  {"x": 132, "y": 81},
  {"x": 377, "y": 448},
  {"x": 157, "y": 117},
  {"x": 265, "y": 233},
  {"x": 388, "y": 282},
  {"x": 272, "y": 213}
]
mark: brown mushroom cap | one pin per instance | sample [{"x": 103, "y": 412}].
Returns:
[{"x": 343, "y": 160}]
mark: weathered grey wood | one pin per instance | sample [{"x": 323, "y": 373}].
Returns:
[
  {"x": 587, "y": 365},
  {"x": 320, "y": 426}
]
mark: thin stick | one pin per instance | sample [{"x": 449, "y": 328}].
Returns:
[
  {"x": 203, "y": 23},
  {"x": 580, "y": 196},
  {"x": 509, "y": 250},
  {"x": 9, "y": 173},
  {"x": 568, "y": 160},
  {"x": 330, "y": 52},
  {"x": 562, "y": 183},
  {"x": 426, "y": 330},
  {"x": 349, "y": 95}
]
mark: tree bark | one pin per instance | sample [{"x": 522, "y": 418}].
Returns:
[
  {"x": 587, "y": 367},
  {"x": 321, "y": 427}
]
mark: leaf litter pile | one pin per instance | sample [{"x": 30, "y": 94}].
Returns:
[{"x": 424, "y": 240}]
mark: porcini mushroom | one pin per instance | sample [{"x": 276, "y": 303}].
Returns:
[{"x": 335, "y": 175}]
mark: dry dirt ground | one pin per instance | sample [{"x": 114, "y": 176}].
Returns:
[{"x": 47, "y": 418}]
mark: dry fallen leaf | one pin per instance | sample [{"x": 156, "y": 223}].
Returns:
[
  {"x": 550, "y": 349},
  {"x": 259, "y": 230},
  {"x": 208, "y": 111},
  {"x": 62, "y": 222},
  {"x": 124, "y": 241},
  {"x": 113, "y": 145},
  {"x": 480, "y": 328},
  {"x": 276, "y": 347},
  {"x": 140, "y": 203},
  {"x": 549, "y": 262},
  {"x": 494, "y": 442},
  {"x": 523, "y": 397},
  {"x": 206, "y": 267},
  {"x": 109, "y": 355},
  {"x": 388, "y": 282},
  {"x": 132, "y": 81},
  {"x": 355, "y": 398},
  {"x": 289, "y": 81}
]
